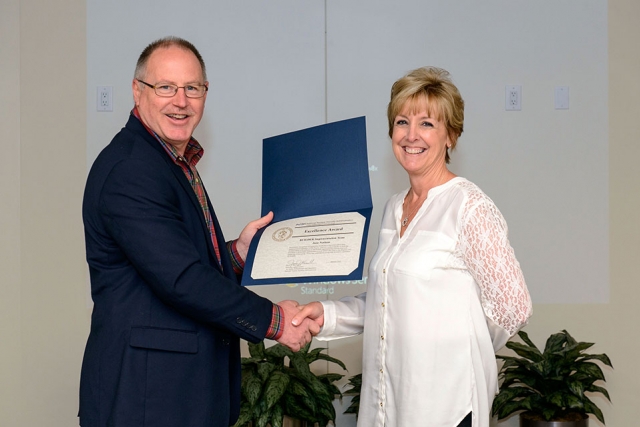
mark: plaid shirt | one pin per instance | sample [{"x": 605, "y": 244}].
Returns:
[{"x": 192, "y": 155}]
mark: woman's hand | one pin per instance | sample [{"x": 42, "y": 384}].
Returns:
[{"x": 313, "y": 310}]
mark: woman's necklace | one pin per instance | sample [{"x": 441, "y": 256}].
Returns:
[{"x": 410, "y": 214}]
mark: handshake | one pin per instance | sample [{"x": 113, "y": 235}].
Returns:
[{"x": 301, "y": 323}]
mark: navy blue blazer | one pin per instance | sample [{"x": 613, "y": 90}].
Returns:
[{"x": 163, "y": 350}]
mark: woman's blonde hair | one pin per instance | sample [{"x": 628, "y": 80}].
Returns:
[{"x": 431, "y": 86}]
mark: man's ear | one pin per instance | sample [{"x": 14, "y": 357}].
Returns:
[
  {"x": 207, "y": 92},
  {"x": 136, "y": 90}
]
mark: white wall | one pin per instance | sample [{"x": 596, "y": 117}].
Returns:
[
  {"x": 10, "y": 298},
  {"x": 43, "y": 314}
]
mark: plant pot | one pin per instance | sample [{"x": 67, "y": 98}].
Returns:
[
  {"x": 527, "y": 421},
  {"x": 292, "y": 422}
]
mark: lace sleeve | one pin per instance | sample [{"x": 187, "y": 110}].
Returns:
[{"x": 485, "y": 249}]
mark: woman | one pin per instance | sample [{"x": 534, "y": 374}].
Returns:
[{"x": 445, "y": 289}]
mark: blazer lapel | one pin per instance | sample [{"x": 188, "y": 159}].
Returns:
[{"x": 135, "y": 126}]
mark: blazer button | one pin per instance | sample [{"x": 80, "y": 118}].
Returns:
[
  {"x": 254, "y": 328},
  {"x": 239, "y": 320}
]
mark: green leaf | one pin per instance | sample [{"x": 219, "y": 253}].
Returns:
[
  {"x": 304, "y": 350},
  {"x": 356, "y": 380},
  {"x": 576, "y": 387},
  {"x": 294, "y": 408},
  {"x": 601, "y": 357},
  {"x": 275, "y": 387},
  {"x": 312, "y": 356},
  {"x": 252, "y": 388},
  {"x": 541, "y": 368},
  {"x": 548, "y": 413},
  {"x": 245, "y": 415},
  {"x": 265, "y": 369},
  {"x": 598, "y": 389},
  {"x": 297, "y": 388},
  {"x": 510, "y": 362},
  {"x": 330, "y": 378},
  {"x": 591, "y": 408},
  {"x": 319, "y": 389},
  {"x": 256, "y": 350},
  {"x": 277, "y": 416},
  {"x": 310, "y": 403},
  {"x": 557, "y": 398},
  {"x": 354, "y": 407},
  {"x": 299, "y": 364},
  {"x": 506, "y": 397},
  {"x": 334, "y": 391},
  {"x": 328, "y": 412},
  {"x": 326, "y": 357},
  {"x": 249, "y": 361},
  {"x": 590, "y": 369},
  {"x": 573, "y": 402},
  {"x": 570, "y": 339},
  {"x": 356, "y": 385},
  {"x": 574, "y": 352},
  {"x": 525, "y": 351},
  {"x": 263, "y": 419},
  {"x": 278, "y": 351},
  {"x": 555, "y": 343},
  {"x": 509, "y": 408},
  {"x": 525, "y": 337},
  {"x": 528, "y": 378}
]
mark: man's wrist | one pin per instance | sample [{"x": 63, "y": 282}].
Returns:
[
  {"x": 276, "y": 326},
  {"x": 236, "y": 260}
]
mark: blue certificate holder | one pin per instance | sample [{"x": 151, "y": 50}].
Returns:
[{"x": 313, "y": 172}]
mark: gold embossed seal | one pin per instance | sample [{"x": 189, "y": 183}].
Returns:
[{"x": 282, "y": 234}]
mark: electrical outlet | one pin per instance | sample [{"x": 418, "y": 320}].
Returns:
[
  {"x": 513, "y": 98},
  {"x": 561, "y": 97},
  {"x": 105, "y": 98}
]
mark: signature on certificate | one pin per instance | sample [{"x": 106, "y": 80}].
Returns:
[{"x": 300, "y": 262}]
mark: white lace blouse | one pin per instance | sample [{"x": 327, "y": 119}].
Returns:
[{"x": 440, "y": 300}]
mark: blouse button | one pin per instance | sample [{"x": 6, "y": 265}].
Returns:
[
  {"x": 381, "y": 337},
  {"x": 384, "y": 271},
  {"x": 382, "y": 304},
  {"x": 381, "y": 404}
]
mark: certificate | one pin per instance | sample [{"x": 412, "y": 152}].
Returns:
[
  {"x": 321, "y": 245},
  {"x": 316, "y": 182}
]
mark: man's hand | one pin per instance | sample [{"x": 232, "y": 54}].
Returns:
[
  {"x": 247, "y": 233},
  {"x": 296, "y": 336},
  {"x": 313, "y": 311}
]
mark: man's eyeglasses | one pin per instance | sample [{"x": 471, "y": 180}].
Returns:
[{"x": 167, "y": 90}]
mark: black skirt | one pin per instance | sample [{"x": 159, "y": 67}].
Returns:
[{"x": 466, "y": 422}]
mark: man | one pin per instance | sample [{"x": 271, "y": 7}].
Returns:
[{"x": 168, "y": 314}]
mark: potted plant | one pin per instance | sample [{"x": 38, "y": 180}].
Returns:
[
  {"x": 272, "y": 389},
  {"x": 356, "y": 386},
  {"x": 550, "y": 387}
]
